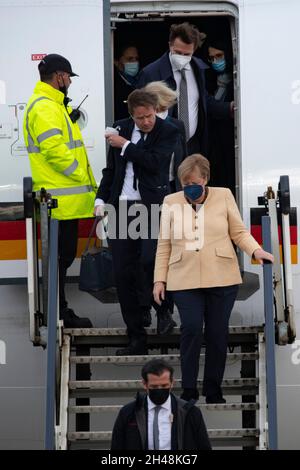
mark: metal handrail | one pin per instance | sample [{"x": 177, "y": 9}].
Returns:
[
  {"x": 52, "y": 336},
  {"x": 270, "y": 339}
]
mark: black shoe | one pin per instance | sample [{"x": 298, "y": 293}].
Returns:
[
  {"x": 133, "y": 350},
  {"x": 215, "y": 399},
  {"x": 189, "y": 394},
  {"x": 147, "y": 318},
  {"x": 73, "y": 321},
  {"x": 165, "y": 323}
]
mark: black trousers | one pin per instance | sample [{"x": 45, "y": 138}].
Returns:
[
  {"x": 194, "y": 145},
  {"x": 133, "y": 262},
  {"x": 213, "y": 307},
  {"x": 129, "y": 276},
  {"x": 67, "y": 247}
]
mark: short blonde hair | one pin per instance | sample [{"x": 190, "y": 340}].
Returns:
[
  {"x": 166, "y": 96},
  {"x": 192, "y": 163}
]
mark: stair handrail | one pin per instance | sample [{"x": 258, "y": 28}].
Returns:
[
  {"x": 52, "y": 342},
  {"x": 270, "y": 339}
]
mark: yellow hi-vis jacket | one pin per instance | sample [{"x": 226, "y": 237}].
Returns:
[{"x": 58, "y": 158}]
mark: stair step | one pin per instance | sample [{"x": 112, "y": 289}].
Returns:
[
  {"x": 150, "y": 331},
  {"x": 218, "y": 437},
  {"x": 171, "y": 358},
  {"x": 118, "y": 336},
  {"x": 202, "y": 406},
  {"x": 112, "y": 388},
  {"x": 212, "y": 433},
  {"x": 136, "y": 384}
]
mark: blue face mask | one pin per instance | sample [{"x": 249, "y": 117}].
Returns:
[
  {"x": 131, "y": 68},
  {"x": 193, "y": 191},
  {"x": 219, "y": 66}
]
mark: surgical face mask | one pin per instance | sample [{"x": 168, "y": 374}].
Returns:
[
  {"x": 131, "y": 68},
  {"x": 219, "y": 66},
  {"x": 180, "y": 61},
  {"x": 158, "y": 396},
  {"x": 162, "y": 114},
  {"x": 193, "y": 191}
]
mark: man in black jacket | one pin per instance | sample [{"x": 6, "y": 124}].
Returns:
[
  {"x": 137, "y": 178},
  {"x": 184, "y": 72},
  {"x": 126, "y": 68},
  {"x": 158, "y": 420}
]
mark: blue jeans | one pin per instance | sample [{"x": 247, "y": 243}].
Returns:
[{"x": 211, "y": 306}]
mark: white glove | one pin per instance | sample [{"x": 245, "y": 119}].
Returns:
[{"x": 99, "y": 210}]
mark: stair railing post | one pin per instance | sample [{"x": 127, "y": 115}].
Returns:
[
  {"x": 52, "y": 335},
  {"x": 270, "y": 338}
]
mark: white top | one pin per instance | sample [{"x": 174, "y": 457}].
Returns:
[
  {"x": 128, "y": 192},
  {"x": 193, "y": 95},
  {"x": 165, "y": 419}
]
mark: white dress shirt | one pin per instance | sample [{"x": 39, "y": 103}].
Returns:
[
  {"x": 193, "y": 95},
  {"x": 128, "y": 192},
  {"x": 165, "y": 419}
]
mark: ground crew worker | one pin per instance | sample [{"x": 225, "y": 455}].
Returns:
[{"x": 59, "y": 163}]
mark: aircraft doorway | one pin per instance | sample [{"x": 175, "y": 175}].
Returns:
[{"x": 150, "y": 36}]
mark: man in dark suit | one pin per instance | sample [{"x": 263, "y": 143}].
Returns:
[
  {"x": 185, "y": 73},
  {"x": 158, "y": 420},
  {"x": 135, "y": 180},
  {"x": 126, "y": 68}
]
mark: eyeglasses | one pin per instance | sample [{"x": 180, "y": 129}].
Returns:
[{"x": 218, "y": 56}]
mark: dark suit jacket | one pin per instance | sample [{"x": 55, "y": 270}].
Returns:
[
  {"x": 161, "y": 69},
  {"x": 188, "y": 431},
  {"x": 121, "y": 91},
  {"x": 181, "y": 149},
  {"x": 151, "y": 162}
]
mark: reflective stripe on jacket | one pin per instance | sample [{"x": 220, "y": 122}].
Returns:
[{"x": 58, "y": 158}]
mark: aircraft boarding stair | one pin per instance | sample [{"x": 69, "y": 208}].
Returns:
[
  {"x": 87, "y": 383},
  {"x": 250, "y": 389}
]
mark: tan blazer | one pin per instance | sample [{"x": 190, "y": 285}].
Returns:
[{"x": 195, "y": 248}]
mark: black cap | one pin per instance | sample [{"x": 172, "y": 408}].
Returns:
[{"x": 54, "y": 63}]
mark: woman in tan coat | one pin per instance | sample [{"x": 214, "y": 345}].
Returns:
[{"x": 196, "y": 261}]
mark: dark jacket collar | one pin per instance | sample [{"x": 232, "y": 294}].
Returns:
[
  {"x": 179, "y": 408},
  {"x": 141, "y": 416},
  {"x": 127, "y": 125}
]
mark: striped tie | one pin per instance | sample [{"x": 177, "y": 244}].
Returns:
[
  {"x": 183, "y": 104},
  {"x": 156, "y": 428}
]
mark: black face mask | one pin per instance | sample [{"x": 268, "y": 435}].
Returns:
[
  {"x": 158, "y": 395},
  {"x": 63, "y": 88}
]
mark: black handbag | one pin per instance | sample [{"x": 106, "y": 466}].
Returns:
[{"x": 96, "y": 268}]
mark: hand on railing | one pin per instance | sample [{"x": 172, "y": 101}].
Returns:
[
  {"x": 262, "y": 256},
  {"x": 99, "y": 211}
]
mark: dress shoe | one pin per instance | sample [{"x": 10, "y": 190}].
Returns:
[
  {"x": 133, "y": 350},
  {"x": 165, "y": 323},
  {"x": 73, "y": 321},
  {"x": 189, "y": 394},
  {"x": 215, "y": 399},
  {"x": 147, "y": 317}
]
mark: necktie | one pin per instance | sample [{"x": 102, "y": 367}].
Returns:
[
  {"x": 155, "y": 428},
  {"x": 183, "y": 104},
  {"x": 140, "y": 143}
]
